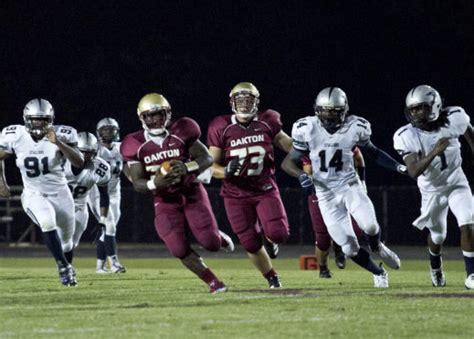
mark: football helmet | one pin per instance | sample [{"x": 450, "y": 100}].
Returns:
[
  {"x": 422, "y": 105},
  {"x": 331, "y": 107},
  {"x": 38, "y": 116},
  {"x": 89, "y": 146},
  {"x": 107, "y": 130},
  {"x": 154, "y": 111},
  {"x": 244, "y": 100}
]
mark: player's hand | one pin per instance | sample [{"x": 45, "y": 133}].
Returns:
[
  {"x": 306, "y": 183},
  {"x": 178, "y": 167},
  {"x": 232, "y": 168},
  {"x": 402, "y": 169},
  {"x": 165, "y": 181},
  {"x": 5, "y": 191},
  {"x": 441, "y": 145},
  {"x": 97, "y": 232},
  {"x": 51, "y": 135},
  {"x": 364, "y": 186}
]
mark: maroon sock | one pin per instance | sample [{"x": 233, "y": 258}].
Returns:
[
  {"x": 270, "y": 274},
  {"x": 207, "y": 276}
]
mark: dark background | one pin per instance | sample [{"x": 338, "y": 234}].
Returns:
[{"x": 93, "y": 59}]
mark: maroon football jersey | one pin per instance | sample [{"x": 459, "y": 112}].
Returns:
[
  {"x": 152, "y": 152},
  {"x": 253, "y": 145}
]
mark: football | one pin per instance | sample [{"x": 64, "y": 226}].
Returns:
[{"x": 165, "y": 168}]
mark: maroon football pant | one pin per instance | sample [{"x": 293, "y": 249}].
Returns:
[
  {"x": 323, "y": 239},
  {"x": 193, "y": 210},
  {"x": 243, "y": 214}
]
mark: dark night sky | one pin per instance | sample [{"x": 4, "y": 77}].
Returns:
[{"x": 97, "y": 58}]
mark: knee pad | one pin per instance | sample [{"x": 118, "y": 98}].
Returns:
[
  {"x": 67, "y": 247},
  {"x": 211, "y": 243},
  {"x": 437, "y": 238},
  {"x": 351, "y": 247},
  {"x": 179, "y": 251},
  {"x": 251, "y": 244},
  {"x": 276, "y": 231}
]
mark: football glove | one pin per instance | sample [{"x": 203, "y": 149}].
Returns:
[
  {"x": 97, "y": 232},
  {"x": 306, "y": 183},
  {"x": 232, "y": 168}
]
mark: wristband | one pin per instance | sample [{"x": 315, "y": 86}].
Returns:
[
  {"x": 102, "y": 219},
  {"x": 191, "y": 166},
  {"x": 151, "y": 185}
]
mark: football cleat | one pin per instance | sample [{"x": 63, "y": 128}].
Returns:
[
  {"x": 67, "y": 275},
  {"x": 217, "y": 286},
  {"x": 437, "y": 277},
  {"x": 389, "y": 257},
  {"x": 274, "y": 282},
  {"x": 381, "y": 280},
  {"x": 227, "y": 243},
  {"x": 271, "y": 248},
  {"x": 116, "y": 267},
  {"x": 325, "y": 274},
  {"x": 339, "y": 256},
  {"x": 469, "y": 282}
]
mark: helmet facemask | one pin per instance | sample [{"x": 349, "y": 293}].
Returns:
[
  {"x": 107, "y": 130},
  {"x": 38, "y": 116},
  {"x": 423, "y": 105},
  {"x": 332, "y": 118},
  {"x": 155, "y": 121},
  {"x": 38, "y": 126},
  {"x": 108, "y": 134},
  {"x": 244, "y": 105},
  {"x": 88, "y": 145}
]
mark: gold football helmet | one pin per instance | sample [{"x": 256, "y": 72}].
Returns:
[
  {"x": 244, "y": 100},
  {"x": 154, "y": 111}
]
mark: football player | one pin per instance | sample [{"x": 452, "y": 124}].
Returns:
[
  {"x": 94, "y": 172},
  {"x": 41, "y": 149},
  {"x": 107, "y": 132},
  {"x": 329, "y": 137},
  {"x": 167, "y": 158},
  {"x": 429, "y": 145},
  {"x": 322, "y": 237},
  {"x": 242, "y": 146}
]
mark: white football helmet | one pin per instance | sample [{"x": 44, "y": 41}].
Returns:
[
  {"x": 107, "y": 130},
  {"x": 331, "y": 107},
  {"x": 422, "y": 104},
  {"x": 244, "y": 100},
  {"x": 38, "y": 109},
  {"x": 154, "y": 111},
  {"x": 87, "y": 143}
]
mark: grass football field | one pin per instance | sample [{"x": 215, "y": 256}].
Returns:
[{"x": 158, "y": 298}]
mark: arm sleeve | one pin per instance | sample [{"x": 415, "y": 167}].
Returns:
[
  {"x": 104, "y": 196},
  {"x": 380, "y": 157}
]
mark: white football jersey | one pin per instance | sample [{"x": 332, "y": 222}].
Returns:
[
  {"x": 114, "y": 159},
  {"x": 97, "y": 172},
  {"x": 445, "y": 169},
  {"x": 41, "y": 163},
  {"x": 331, "y": 154}
]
